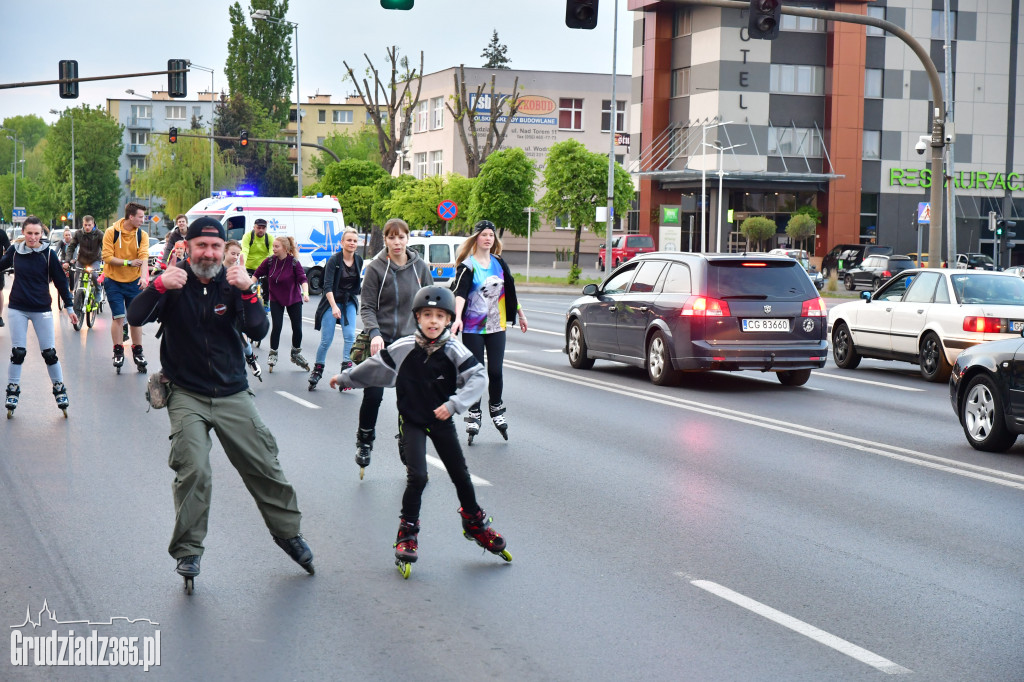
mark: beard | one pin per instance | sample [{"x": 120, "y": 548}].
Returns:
[{"x": 207, "y": 268}]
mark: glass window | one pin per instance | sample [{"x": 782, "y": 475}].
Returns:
[
  {"x": 606, "y": 115},
  {"x": 422, "y": 116},
  {"x": 341, "y": 116},
  {"x": 142, "y": 111},
  {"x": 420, "y": 163},
  {"x": 780, "y": 280},
  {"x": 682, "y": 22},
  {"x": 646, "y": 277},
  {"x": 680, "y": 83},
  {"x": 794, "y": 142},
  {"x": 175, "y": 113},
  {"x": 939, "y": 25},
  {"x": 872, "y": 144},
  {"x": 895, "y": 289},
  {"x": 872, "y": 82},
  {"x": 197, "y": 111},
  {"x": 321, "y": 115},
  {"x": 139, "y": 137},
  {"x": 796, "y": 79},
  {"x": 875, "y": 12},
  {"x": 437, "y": 113},
  {"x": 440, "y": 253},
  {"x": 320, "y": 140},
  {"x": 792, "y": 23},
  {"x": 942, "y": 291},
  {"x": 437, "y": 162},
  {"x": 570, "y": 114},
  {"x": 990, "y": 289},
  {"x": 618, "y": 282},
  {"x": 677, "y": 280}
]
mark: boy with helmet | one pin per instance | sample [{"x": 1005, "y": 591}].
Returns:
[{"x": 435, "y": 377}]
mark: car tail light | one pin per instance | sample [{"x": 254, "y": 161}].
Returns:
[
  {"x": 983, "y": 325},
  {"x": 702, "y": 306},
  {"x": 814, "y": 307},
  {"x": 886, "y": 274},
  {"x": 755, "y": 265}
]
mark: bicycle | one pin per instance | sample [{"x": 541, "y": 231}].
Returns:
[{"x": 87, "y": 303}]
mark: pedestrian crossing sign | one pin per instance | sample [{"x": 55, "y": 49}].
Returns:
[{"x": 924, "y": 212}]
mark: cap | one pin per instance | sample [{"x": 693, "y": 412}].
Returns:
[
  {"x": 485, "y": 225},
  {"x": 206, "y": 227}
]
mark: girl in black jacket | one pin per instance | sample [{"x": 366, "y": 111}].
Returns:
[{"x": 342, "y": 282}]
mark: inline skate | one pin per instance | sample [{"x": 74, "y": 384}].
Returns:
[
  {"x": 298, "y": 550},
  {"x": 364, "y": 446},
  {"x": 406, "y": 545},
  {"x": 250, "y": 360},
  {"x": 498, "y": 417},
  {"x": 473, "y": 418},
  {"x": 139, "y": 359},
  {"x": 13, "y": 391},
  {"x": 297, "y": 358},
  {"x": 188, "y": 568},
  {"x": 316, "y": 375},
  {"x": 477, "y": 527},
  {"x": 271, "y": 360},
  {"x": 118, "y": 357},
  {"x": 61, "y": 395}
]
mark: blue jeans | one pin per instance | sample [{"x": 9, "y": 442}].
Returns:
[{"x": 327, "y": 325}]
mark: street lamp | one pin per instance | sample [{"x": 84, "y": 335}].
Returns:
[
  {"x": 703, "y": 182},
  {"x": 614, "y": 111},
  {"x": 721, "y": 150},
  {"x": 71, "y": 115},
  {"x": 205, "y": 68},
  {"x": 264, "y": 15},
  {"x": 15, "y": 165}
]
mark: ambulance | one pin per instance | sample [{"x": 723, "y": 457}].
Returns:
[{"x": 316, "y": 224}]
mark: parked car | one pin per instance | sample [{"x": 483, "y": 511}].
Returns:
[
  {"x": 920, "y": 260},
  {"x": 804, "y": 259},
  {"x": 626, "y": 247},
  {"x": 985, "y": 389},
  {"x": 874, "y": 271},
  {"x": 1015, "y": 270},
  {"x": 677, "y": 312},
  {"x": 974, "y": 261},
  {"x": 843, "y": 257},
  {"x": 927, "y": 317}
]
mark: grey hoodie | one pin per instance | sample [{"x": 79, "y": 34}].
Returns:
[{"x": 387, "y": 295}]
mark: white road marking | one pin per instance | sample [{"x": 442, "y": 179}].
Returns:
[
  {"x": 545, "y": 331},
  {"x": 296, "y": 399},
  {"x": 805, "y": 629},
  {"x": 867, "y": 381},
  {"x": 872, "y": 447},
  {"x": 552, "y": 350},
  {"x": 477, "y": 481}
]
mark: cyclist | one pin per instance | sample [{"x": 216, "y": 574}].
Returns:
[{"x": 86, "y": 247}]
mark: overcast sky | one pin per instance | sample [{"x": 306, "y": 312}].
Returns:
[{"x": 109, "y": 37}]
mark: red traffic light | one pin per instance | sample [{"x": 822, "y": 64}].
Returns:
[
  {"x": 172, "y": 135},
  {"x": 243, "y": 138}
]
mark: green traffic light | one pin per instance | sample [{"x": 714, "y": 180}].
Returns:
[{"x": 397, "y": 4}]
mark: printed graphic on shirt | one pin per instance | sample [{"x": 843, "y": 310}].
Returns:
[{"x": 485, "y": 307}]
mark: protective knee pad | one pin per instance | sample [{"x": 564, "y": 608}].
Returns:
[
  {"x": 50, "y": 356},
  {"x": 18, "y": 355}
]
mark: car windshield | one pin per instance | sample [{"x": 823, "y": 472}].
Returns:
[
  {"x": 642, "y": 242},
  {"x": 993, "y": 289},
  {"x": 980, "y": 259},
  {"x": 761, "y": 279}
]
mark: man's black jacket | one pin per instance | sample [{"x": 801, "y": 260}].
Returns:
[{"x": 200, "y": 349}]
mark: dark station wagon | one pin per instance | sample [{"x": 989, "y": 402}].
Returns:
[{"x": 678, "y": 312}]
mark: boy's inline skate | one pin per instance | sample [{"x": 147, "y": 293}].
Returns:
[
  {"x": 118, "y": 357},
  {"x": 188, "y": 568},
  {"x": 498, "y": 417},
  {"x": 297, "y": 358},
  {"x": 364, "y": 446},
  {"x": 406, "y": 545},
  {"x": 473, "y": 418},
  {"x": 271, "y": 360},
  {"x": 11, "y": 403},
  {"x": 477, "y": 527},
  {"x": 316, "y": 375},
  {"x": 139, "y": 359},
  {"x": 298, "y": 550},
  {"x": 250, "y": 360},
  {"x": 61, "y": 395}
]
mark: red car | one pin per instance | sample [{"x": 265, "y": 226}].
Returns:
[{"x": 625, "y": 247}]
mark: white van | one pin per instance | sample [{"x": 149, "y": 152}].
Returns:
[
  {"x": 316, "y": 224},
  {"x": 438, "y": 253}
]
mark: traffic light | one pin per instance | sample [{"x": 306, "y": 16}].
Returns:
[
  {"x": 581, "y": 13},
  {"x": 68, "y": 69},
  {"x": 177, "y": 82},
  {"x": 1005, "y": 233},
  {"x": 764, "y": 18},
  {"x": 397, "y": 4},
  {"x": 243, "y": 138},
  {"x": 172, "y": 135}
]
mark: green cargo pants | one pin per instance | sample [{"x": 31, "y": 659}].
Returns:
[{"x": 250, "y": 448}]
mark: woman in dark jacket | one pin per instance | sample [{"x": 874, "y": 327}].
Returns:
[
  {"x": 485, "y": 302},
  {"x": 339, "y": 304},
  {"x": 35, "y": 266}
]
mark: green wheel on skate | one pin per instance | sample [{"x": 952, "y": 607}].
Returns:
[
  {"x": 505, "y": 554},
  {"x": 404, "y": 568}
]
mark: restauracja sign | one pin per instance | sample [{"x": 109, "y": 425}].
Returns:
[{"x": 915, "y": 177}]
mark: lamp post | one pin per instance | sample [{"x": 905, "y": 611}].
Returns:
[
  {"x": 14, "y": 201},
  {"x": 71, "y": 115},
  {"x": 264, "y": 15},
  {"x": 721, "y": 150},
  {"x": 703, "y": 182},
  {"x": 205, "y": 68},
  {"x": 614, "y": 110}
]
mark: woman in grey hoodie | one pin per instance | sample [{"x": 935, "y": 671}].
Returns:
[{"x": 391, "y": 281}]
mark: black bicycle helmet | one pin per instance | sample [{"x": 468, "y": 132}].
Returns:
[
  {"x": 482, "y": 225},
  {"x": 434, "y": 296}
]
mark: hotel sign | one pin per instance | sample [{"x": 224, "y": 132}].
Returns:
[{"x": 914, "y": 177}]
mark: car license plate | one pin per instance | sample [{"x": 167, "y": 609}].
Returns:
[
  {"x": 1016, "y": 325},
  {"x": 770, "y": 324}
]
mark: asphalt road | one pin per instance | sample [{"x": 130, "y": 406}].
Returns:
[{"x": 728, "y": 529}]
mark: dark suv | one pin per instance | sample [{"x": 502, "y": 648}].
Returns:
[
  {"x": 874, "y": 271},
  {"x": 676, "y": 312},
  {"x": 843, "y": 257}
]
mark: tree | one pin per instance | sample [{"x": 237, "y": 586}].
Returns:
[
  {"x": 30, "y": 196},
  {"x": 576, "y": 182},
  {"x": 30, "y": 130},
  {"x": 465, "y": 114},
  {"x": 357, "y": 206},
  {"x": 388, "y": 102},
  {"x": 416, "y": 202},
  {"x": 382, "y": 191},
  {"x": 267, "y": 169},
  {"x": 180, "y": 173},
  {"x": 800, "y": 227},
  {"x": 758, "y": 228},
  {"x": 259, "y": 63},
  {"x": 494, "y": 53},
  {"x": 503, "y": 190},
  {"x": 342, "y": 175},
  {"x": 98, "y": 145},
  {"x": 359, "y": 145}
]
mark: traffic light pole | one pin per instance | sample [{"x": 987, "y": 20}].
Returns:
[
  {"x": 938, "y": 142},
  {"x": 8, "y": 86},
  {"x": 259, "y": 139}
]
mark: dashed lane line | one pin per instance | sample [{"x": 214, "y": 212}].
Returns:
[
  {"x": 440, "y": 465},
  {"x": 296, "y": 399}
]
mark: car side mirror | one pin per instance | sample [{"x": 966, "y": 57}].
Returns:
[
  {"x": 590, "y": 290},
  {"x": 866, "y": 295}
]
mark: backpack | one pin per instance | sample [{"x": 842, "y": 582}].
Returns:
[{"x": 266, "y": 240}]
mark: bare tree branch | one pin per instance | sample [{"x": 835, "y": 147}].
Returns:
[{"x": 465, "y": 115}]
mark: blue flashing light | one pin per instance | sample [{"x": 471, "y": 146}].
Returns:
[{"x": 224, "y": 193}]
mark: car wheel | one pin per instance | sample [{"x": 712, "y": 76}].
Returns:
[
  {"x": 577, "y": 347},
  {"x": 848, "y": 282},
  {"x": 981, "y": 414},
  {"x": 932, "y": 359},
  {"x": 875, "y": 283},
  {"x": 659, "y": 365},
  {"x": 843, "y": 351},
  {"x": 825, "y": 273},
  {"x": 794, "y": 377}
]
